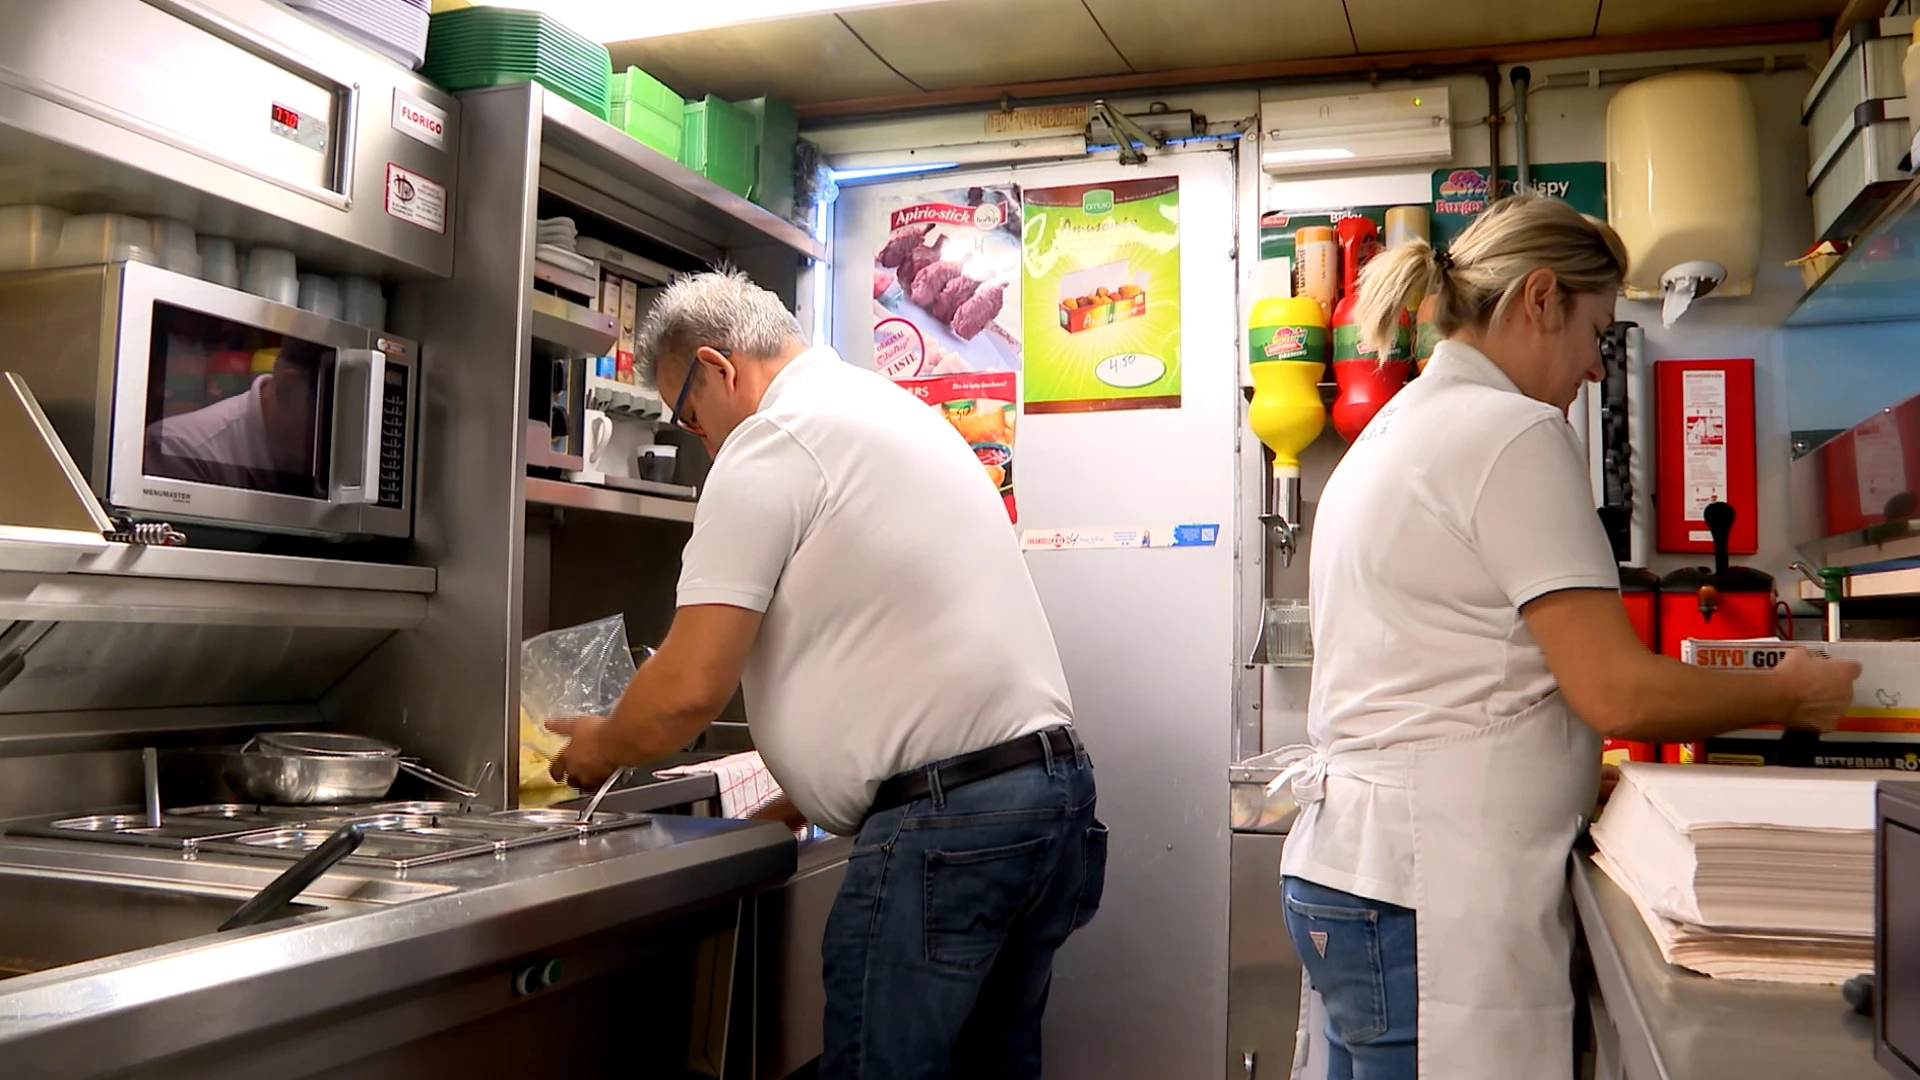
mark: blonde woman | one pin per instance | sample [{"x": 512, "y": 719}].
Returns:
[{"x": 1471, "y": 650}]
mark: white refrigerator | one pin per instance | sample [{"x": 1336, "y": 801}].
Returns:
[{"x": 1148, "y": 636}]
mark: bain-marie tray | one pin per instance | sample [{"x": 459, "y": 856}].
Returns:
[{"x": 396, "y": 835}]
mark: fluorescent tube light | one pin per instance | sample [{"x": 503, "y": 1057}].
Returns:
[
  {"x": 1045, "y": 148},
  {"x": 1327, "y": 153},
  {"x": 1355, "y": 131},
  {"x": 625, "y": 20}
]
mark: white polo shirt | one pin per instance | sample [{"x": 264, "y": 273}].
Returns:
[
  {"x": 901, "y": 625},
  {"x": 1462, "y": 501}
]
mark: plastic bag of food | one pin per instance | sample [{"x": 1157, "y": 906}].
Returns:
[{"x": 578, "y": 671}]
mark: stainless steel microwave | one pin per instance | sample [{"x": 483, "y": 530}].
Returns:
[{"x": 188, "y": 402}]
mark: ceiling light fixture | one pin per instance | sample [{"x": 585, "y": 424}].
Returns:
[
  {"x": 1045, "y": 148},
  {"x": 1356, "y": 131},
  {"x": 613, "y": 21}
]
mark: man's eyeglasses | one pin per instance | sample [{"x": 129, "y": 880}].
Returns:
[{"x": 680, "y": 418}]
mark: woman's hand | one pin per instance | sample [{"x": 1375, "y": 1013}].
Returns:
[{"x": 1822, "y": 688}]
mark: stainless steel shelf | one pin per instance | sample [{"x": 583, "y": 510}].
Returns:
[
  {"x": 571, "y": 326},
  {"x": 590, "y": 152},
  {"x": 578, "y": 284},
  {"x": 124, "y": 583},
  {"x": 1873, "y": 584},
  {"x": 1878, "y": 280},
  {"x": 601, "y": 500}
]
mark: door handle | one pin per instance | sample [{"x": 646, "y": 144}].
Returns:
[
  {"x": 1247, "y": 1060},
  {"x": 360, "y": 378}
]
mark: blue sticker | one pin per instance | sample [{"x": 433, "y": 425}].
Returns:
[{"x": 1195, "y": 535}]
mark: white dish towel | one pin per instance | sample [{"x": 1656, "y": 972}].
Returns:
[{"x": 746, "y": 787}]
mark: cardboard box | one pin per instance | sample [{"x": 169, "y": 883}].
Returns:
[
  {"x": 1101, "y": 296},
  {"x": 1886, "y": 699},
  {"x": 1840, "y": 750},
  {"x": 629, "y": 323}
]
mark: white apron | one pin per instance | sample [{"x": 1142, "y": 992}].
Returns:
[{"x": 1495, "y": 813}]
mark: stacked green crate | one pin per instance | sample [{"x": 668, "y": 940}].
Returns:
[
  {"x": 777, "y": 133},
  {"x": 474, "y": 47},
  {"x": 719, "y": 142},
  {"x": 649, "y": 110}
]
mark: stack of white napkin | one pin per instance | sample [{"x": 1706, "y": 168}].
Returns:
[{"x": 1747, "y": 873}]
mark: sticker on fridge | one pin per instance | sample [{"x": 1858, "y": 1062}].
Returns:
[
  {"x": 946, "y": 284},
  {"x": 1102, "y": 296},
  {"x": 983, "y": 409}
]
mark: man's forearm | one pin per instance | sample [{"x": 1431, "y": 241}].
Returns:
[
  {"x": 655, "y": 717},
  {"x": 1669, "y": 701}
]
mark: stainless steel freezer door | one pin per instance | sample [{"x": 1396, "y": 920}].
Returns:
[{"x": 1263, "y": 973}]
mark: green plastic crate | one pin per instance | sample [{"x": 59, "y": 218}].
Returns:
[
  {"x": 663, "y": 133},
  {"x": 776, "y": 134},
  {"x": 636, "y": 87},
  {"x": 487, "y": 46},
  {"x": 719, "y": 142}
]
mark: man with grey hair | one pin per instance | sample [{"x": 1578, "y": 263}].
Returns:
[{"x": 852, "y": 568}]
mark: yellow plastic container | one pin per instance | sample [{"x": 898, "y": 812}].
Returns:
[
  {"x": 1287, "y": 413},
  {"x": 1287, "y": 352}
]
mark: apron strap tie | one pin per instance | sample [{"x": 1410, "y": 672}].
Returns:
[{"x": 1304, "y": 769}]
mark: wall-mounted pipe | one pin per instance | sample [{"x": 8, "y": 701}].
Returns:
[
  {"x": 1492, "y": 74},
  {"x": 1522, "y": 78}
]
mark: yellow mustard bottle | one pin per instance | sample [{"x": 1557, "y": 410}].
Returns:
[{"x": 1287, "y": 352}]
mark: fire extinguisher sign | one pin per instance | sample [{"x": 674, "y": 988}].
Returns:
[
  {"x": 1703, "y": 409},
  {"x": 1705, "y": 453}
]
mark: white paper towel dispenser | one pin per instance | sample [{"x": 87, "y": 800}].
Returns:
[{"x": 1683, "y": 186}]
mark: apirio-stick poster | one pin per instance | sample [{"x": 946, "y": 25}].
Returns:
[
  {"x": 946, "y": 284},
  {"x": 946, "y": 311},
  {"x": 1102, "y": 296}
]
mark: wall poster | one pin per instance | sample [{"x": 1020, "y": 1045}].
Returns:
[
  {"x": 1102, "y": 296},
  {"x": 946, "y": 284},
  {"x": 984, "y": 409},
  {"x": 1460, "y": 194},
  {"x": 946, "y": 311}
]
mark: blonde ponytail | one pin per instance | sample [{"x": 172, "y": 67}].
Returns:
[
  {"x": 1476, "y": 278},
  {"x": 1389, "y": 282}
]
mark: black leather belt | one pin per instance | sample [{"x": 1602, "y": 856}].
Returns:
[{"x": 914, "y": 784}]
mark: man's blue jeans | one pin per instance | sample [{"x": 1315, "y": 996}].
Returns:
[
  {"x": 1359, "y": 955},
  {"x": 939, "y": 950}
]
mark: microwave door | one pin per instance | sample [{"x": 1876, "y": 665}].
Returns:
[{"x": 360, "y": 375}]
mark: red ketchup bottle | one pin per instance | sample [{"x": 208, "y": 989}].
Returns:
[{"x": 1366, "y": 382}]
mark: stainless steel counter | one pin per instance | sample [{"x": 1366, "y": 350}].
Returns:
[
  {"x": 1674, "y": 1025},
  {"x": 375, "y": 935}
]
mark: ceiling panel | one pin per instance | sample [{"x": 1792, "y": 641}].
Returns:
[
  {"x": 1205, "y": 33},
  {"x": 1408, "y": 25},
  {"x": 812, "y": 58},
  {"x": 1643, "y": 16},
  {"x": 963, "y": 43}
]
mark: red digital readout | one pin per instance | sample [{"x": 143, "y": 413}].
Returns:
[{"x": 286, "y": 117}]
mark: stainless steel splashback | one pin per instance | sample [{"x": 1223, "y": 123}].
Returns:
[{"x": 69, "y": 666}]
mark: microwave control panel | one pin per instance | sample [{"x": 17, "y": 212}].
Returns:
[{"x": 393, "y": 438}]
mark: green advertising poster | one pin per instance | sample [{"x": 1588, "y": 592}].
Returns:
[
  {"x": 1101, "y": 296},
  {"x": 1460, "y": 194},
  {"x": 1277, "y": 228}
]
